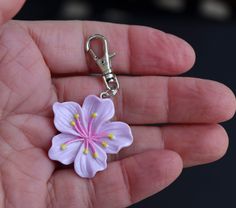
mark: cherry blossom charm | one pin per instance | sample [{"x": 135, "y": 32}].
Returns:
[{"x": 87, "y": 133}]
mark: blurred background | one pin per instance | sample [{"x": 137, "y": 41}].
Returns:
[{"x": 210, "y": 27}]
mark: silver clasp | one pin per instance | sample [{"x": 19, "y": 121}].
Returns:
[{"x": 104, "y": 63}]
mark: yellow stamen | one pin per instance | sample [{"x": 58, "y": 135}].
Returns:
[
  {"x": 104, "y": 144},
  {"x": 72, "y": 123},
  {"x": 76, "y": 116},
  {"x": 95, "y": 155},
  {"x": 94, "y": 115},
  {"x": 85, "y": 151},
  {"x": 63, "y": 146},
  {"x": 111, "y": 136}
]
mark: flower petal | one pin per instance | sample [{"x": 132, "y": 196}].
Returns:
[
  {"x": 87, "y": 166},
  {"x": 64, "y": 115},
  {"x": 103, "y": 109},
  {"x": 68, "y": 155},
  {"x": 119, "y": 135}
]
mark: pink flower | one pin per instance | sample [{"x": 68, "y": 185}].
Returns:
[{"x": 87, "y": 135}]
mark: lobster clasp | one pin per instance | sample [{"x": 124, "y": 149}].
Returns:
[{"x": 104, "y": 64}]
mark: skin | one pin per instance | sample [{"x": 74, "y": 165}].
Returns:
[{"x": 42, "y": 62}]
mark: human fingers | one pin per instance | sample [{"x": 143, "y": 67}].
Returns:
[
  {"x": 196, "y": 144},
  {"x": 8, "y": 8},
  {"x": 149, "y": 100},
  {"x": 140, "y": 50},
  {"x": 123, "y": 183},
  {"x": 132, "y": 179}
]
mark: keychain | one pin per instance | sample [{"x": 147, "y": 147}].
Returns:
[{"x": 87, "y": 133}]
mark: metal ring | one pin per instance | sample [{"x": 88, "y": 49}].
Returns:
[{"x": 108, "y": 94}]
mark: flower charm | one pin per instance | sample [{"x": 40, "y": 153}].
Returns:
[{"x": 87, "y": 135}]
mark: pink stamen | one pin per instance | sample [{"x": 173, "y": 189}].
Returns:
[
  {"x": 74, "y": 140},
  {"x": 90, "y": 127},
  {"x": 86, "y": 143},
  {"x": 99, "y": 136},
  {"x": 79, "y": 128},
  {"x": 91, "y": 145},
  {"x": 95, "y": 139}
]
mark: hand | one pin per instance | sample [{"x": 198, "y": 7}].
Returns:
[{"x": 42, "y": 62}]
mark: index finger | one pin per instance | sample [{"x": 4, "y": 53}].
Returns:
[{"x": 140, "y": 50}]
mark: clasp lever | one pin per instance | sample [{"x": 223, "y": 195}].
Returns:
[{"x": 104, "y": 63}]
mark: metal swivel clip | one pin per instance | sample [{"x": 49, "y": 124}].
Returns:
[{"x": 104, "y": 63}]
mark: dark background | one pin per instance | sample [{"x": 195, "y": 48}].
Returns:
[{"x": 211, "y": 30}]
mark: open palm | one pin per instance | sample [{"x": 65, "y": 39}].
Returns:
[{"x": 44, "y": 62}]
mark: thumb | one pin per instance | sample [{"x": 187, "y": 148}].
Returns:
[{"x": 9, "y": 8}]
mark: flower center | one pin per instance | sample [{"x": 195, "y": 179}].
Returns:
[{"x": 87, "y": 136}]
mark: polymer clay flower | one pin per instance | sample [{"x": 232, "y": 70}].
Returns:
[{"x": 87, "y": 135}]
